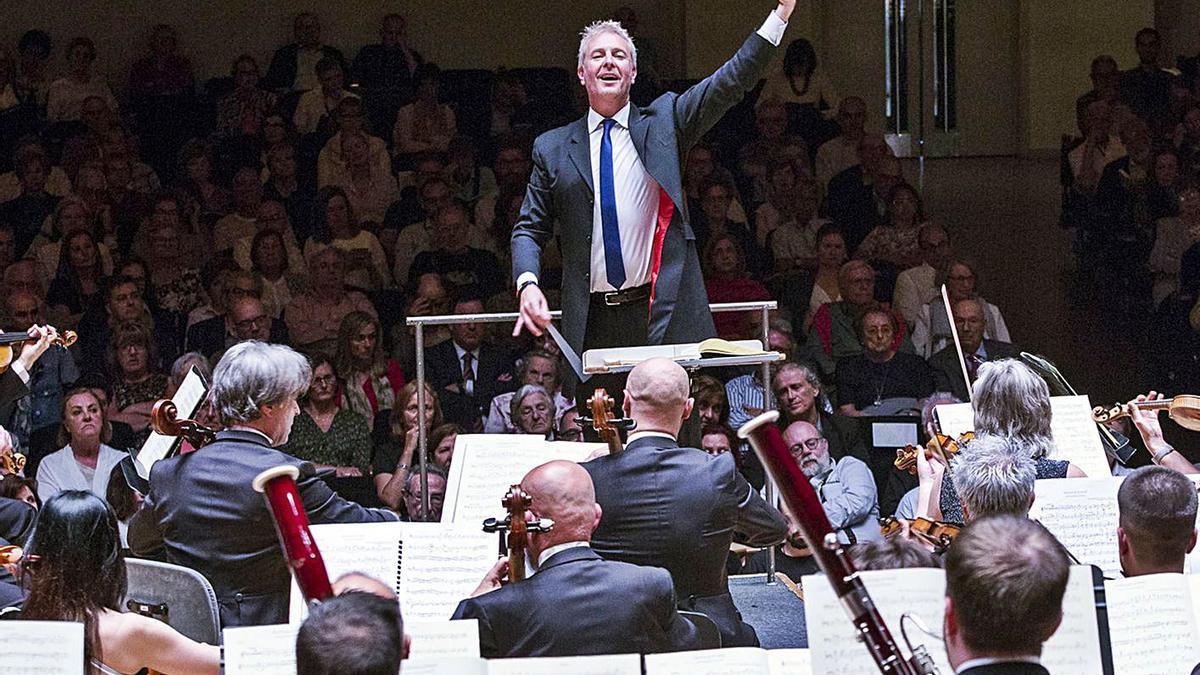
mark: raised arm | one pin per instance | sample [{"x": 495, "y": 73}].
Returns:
[{"x": 1148, "y": 426}]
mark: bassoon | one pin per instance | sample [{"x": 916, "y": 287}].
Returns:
[{"x": 278, "y": 487}]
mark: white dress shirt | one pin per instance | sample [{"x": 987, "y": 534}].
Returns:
[
  {"x": 637, "y": 193},
  {"x": 468, "y": 385}
]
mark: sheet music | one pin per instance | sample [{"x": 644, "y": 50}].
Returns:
[
  {"x": 450, "y": 665},
  {"x": 608, "y": 664},
  {"x": 1075, "y": 646},
  {"x": 708, "y": 662},
  {"x": 1075, "y": 437},
  {"x": 261, "y": 650},
  {"x": 790, "y": 662},
  {"x": 187, "y": 400},
  {"x": 831, "y": 636},
  {"x": 442, "y": 564},
  {"x": 438, "y": 639},
  {"x": 1082, "y": 514},
  {"x": 42, "y": 647},
  {"x": 486, "y": 465},
  {"x": 369, "y": 548},
  {"x": 1154, "y": 624}
]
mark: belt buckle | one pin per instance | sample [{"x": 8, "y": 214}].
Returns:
[{"x": 613, "y": 298}]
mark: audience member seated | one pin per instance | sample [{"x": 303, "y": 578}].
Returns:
[
  {"x": 385, "y": 71},
  {"x": 419, "y": 235},
  {"x": 894, "y": 241},
  {"x": 429, "y": 298},
  {"x": 31, "y": 78},
  {"x": 85, "y": 461},
  {"x": 353, "y": 633},
  {"x": 1005, "y": 581},
  {"x": 465, "y": 268},
  {"x": 371, "y": 379},
  {"x": 441, "y": 445},
  {"x": 72, "y": 215},
  {"x": 273, "y": 257},
  {"x": 81, "y": 577},
  {"x": 413, "y": 206},
  {"x": 537, "y": 368},
  {"x": 1106, "y": 86},
  {"x": 124, "y": 303},
  {"x": 1161, "y": 198},
  {"x": 425, "y": 125},
  {"x": 242, "y": 221},
  {"x": 917, "y": 286},
  {"x": 467, "y": 371},
  {"x": 1172, "y": 355},
  {"x": 1187, "y": 143},
  {"x": 892, "y": 554},
  {"x": 50, "y": 375},
  {"x": 28, "y": 210},
  {"x": 1099, "y": 149},
  {"x": 245, "y": 320},
  {"x": 831, "y": 255},
  {"x": 66, "y": 94},
  {"x": 174, "y": 279},
  {"x": 137, "y": 380},
  {"x": 841, "y": 152},
  {"x": 469, "y": 179},
  {"x": 204, "y": 513},
  {"x": 1146, "y": 88},
  {"x": 286, "y": 187},
  {"x": 242, "y": 111},
  {"x": 533, "y": 411},
  {"x": 332, "y": 161},
  {"x": 845, "y": 486},
  {"x": 1012, "y": 402},
  {"x": 370, "y": 189},
  {"x": 792, "y": 242},
  {"x": 857, "y": 197},
  {"x": 711, "y": 222},
  {"x": 833, "y": 334},
  {"x": 335, "y": 224},
  {"x": 315, "y": 105},
  {"x": 395, "y": 435},
  {"x": 79, "y": 278},
  {"x": 313, "y": 317},
  {"x": 293, "y": 66},
  {"x": 726, "y": 280},
  {"x": 1174, "y": 235},
  {"x": 163, "y": 72},
  {"x": 971, "y": 321},
  {"x": 223, "y": 283},
  {"x": 19, "y": 488},
  {"x": 866, "y": 381},
  {"x": 931, "y": 333},
  {"x": 568, "y": 608},
  {"x": 414, "y": 510},
  {"x": 326, "y": 435},
  {"x": 1157, "y": 528},
  {"x": 712, "y": 403}
]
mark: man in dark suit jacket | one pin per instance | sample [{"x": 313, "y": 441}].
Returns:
[
  {"x": 281, "y": 74},
  {"x": 678, "y": 508},
  {"x": 465, "y": 400},
  {"x": 995, "y": 624},
  {"x": 612, "y": 181},
  {"x": 201, "y": 507},
  {"x": 577, "y": 603},
  {"x": 245, "y": 320},
  {"x": 969, "y": 319}
]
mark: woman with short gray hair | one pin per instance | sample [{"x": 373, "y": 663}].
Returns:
[
  {"x": 533, "y": 410},
  {"x": 253, "y": 375}
]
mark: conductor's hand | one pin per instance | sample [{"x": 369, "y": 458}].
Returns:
[
  {"x": 494, "y": 579},
  {"x": 784, "y": 11},
  {"x": 535, "y": 314}
]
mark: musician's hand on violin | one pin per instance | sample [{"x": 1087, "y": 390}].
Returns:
[
  {"x": 1147, "y": 422},
  {"x": 40, "y": 339},
  {"x": 929, "y": 466},
  {"x": 494, "y": 578},
  {"x": 535, "y": 313}
]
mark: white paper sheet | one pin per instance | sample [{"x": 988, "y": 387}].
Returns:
[
  {"x": 451, "y": 665},
  {"x": 43, "y": 647},
  {"x": 1155, "y": 624},
  {"x": 261, "y": 650},
  {"x": 187, "y": 400},
  {"x": 1082, "y": 514},
  {"x": 486, "y": 465},
  {"x": 609, "y": 664},
  {"x": 1075, "y": 646},
  {"x": 439, "y": 639},
  {"x": 709, "y": 662}
]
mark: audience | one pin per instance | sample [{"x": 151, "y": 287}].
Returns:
[
  {"x": 371, "y": 380},
  {"x": 394, "y": 435},
  {"x": 845, "y": 486},
  {"x": 329, "y": 436},
  {"x": 314, "y": 317},
  {"x": 85, "y": 462},
  {"x": 536, "y": 368},
  {"x": 865, "y": 381}
]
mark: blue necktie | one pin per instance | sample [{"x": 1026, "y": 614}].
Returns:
[{"x": 614, "y": 262}]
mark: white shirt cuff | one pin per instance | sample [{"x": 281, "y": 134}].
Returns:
[
  {"x": 772, "y": 29},
  {"x": 20, "y": 371},
  {"x": 526, "y": 276}
]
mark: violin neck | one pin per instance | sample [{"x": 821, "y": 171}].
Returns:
[
  {"x": 14, "y": 337},
  {"x": 1161, "y": 404}
]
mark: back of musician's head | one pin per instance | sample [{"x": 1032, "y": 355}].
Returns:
[
  {"x": 1158, "y": 518},
  {"x": 252, "y": 374},
  {"x": 657, "y": 387},
  {"x": 354, "y": 633},
  {"x": 994, "y": 476},
  {"x": 563, "y": 492},
  {"x": 1011, "y": 400},
  {"x": 892, "y": 553},
  {"x": 1005, "y": 578}
]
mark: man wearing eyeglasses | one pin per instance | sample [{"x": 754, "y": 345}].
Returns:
[
  {"x": 846, "y": 486},
  {"x": 245, "y": 319}
]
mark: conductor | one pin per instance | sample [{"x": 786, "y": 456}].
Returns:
[{"x": 612, "y": 181}]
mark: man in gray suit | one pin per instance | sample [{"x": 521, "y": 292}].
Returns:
[
  {"x": 612, "y": 181},
  {"x": 678, "y": 508}
]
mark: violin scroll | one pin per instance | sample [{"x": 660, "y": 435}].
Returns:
[
  {"x": 164, "y": 419},
  {"x": 940, "y": 445},
  {"x": 604, "y": 422}
]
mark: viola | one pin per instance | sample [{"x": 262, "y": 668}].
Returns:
[
  {"x": 9, "y": 340},
  {"x": 604, "y": 422},
  {"x": 936, "y": 533},
  {"x": 1184, "y": 409},
  {"x": 941, "y": 446}
]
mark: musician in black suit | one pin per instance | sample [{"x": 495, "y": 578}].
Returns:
[
  {"x": 1005, "y": 581},
  {"x": 577, "y": 603},
  {"x": 612, "y": 182},
  {"x": 678, "y": 508},
  {"x": 465, "y": 398},
  {"x": 201, "y": 507},
  {"x": 969, "y": 319}
]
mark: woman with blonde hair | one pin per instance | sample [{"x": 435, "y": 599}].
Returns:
[
  {"x": 396, "y": 441},
  {"x": 372, "y": 379}
]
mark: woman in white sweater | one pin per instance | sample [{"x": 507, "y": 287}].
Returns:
[{"x": 84, "y": 462}]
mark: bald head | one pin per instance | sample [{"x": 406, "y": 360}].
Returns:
[
  {"x": 656, "y": 395},
  {"x": 357, "y": 581},
  {"x": 563, "y": 492}
]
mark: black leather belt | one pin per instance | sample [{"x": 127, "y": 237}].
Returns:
[{"x": 625, "y": 296}]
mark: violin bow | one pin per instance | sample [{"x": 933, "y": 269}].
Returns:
[{"x": 962, "y": 361}]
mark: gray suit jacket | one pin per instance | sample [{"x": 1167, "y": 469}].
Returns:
[
  {"x": 560, "y": 189},
  {"x": 203, "y": 511}
]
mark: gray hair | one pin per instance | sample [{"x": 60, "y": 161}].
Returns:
[
  {"x": 1012, "y": 401},
  {"x": 183, "y": 365},
  {"x": 811, "y": 376},
  {"x": 514, "y": 406},
  {"x": 598, "y": 27},
  {"x": 932, "y": 402},
  {"x": 252, "y": 374},
  {"x": 994, "y": 476},
  {"x": 1157, "y": 509}
]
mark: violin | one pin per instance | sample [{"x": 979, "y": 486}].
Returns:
[
  {"x": 164, "y": 419},
  {"x": 8, "y": 340},
  {"x": 1184, "y": 409},
  {"x": 941, "y": 445},
  {"x": 13, "y": 462},
  {"x": 606, "y": 424},
  {"x": 936, "y": 533},
  {"x": 517, "y": 502}
]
